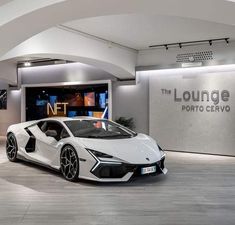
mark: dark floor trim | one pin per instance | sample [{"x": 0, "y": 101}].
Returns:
[{"x": 200, "y": 153}]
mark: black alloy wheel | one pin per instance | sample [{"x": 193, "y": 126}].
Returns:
[
  {"x": 69, "y": 163},
  {"x": 11, "y": 147}
]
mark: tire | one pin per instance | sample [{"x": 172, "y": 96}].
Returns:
[
  {"x": 69, "y": 163},
  {"x": 11, "y": 148}
]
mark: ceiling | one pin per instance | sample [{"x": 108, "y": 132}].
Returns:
[
  {"x": 139, "y": 31},
  {"x": 22, "y": 19},
  {"x": 3, "y": 2},
  {"x": 29, "y": 28}
]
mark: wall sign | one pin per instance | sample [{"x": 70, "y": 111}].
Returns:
[
  {"x": 3, "y": 99},
  {"x": 192, "y": 100},
  {"x": 56, "y": 108}
]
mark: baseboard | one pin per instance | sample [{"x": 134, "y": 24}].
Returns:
[{"x": 200, "y": 153}]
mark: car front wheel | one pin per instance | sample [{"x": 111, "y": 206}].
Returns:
[
  {"x": 69, "y": 163},
  {"x": 11, "y": 147}
]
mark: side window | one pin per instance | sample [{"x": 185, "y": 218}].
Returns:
[
  {"x": 42, "y": 126},
  {"x": 51, "y": 125},
  {"x": 64, "y": 134},
  {"x": 113, "y": 128},
  {"x": 57, "y": 127}
]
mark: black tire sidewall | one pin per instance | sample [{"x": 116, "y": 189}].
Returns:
[
  {"x": 75, "y": 178},
  {"x": 15, "y": 158}
]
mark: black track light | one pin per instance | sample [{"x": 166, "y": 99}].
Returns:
[{"x": 188, "y": 43}]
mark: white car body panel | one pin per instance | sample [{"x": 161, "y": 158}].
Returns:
[
  {"x": 132, "y": 150},
  {"x": 138, "y": 150}
]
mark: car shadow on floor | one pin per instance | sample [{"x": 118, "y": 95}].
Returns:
[{"x": 30, "y": 175}]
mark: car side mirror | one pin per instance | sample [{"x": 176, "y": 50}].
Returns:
[{"x": 51, "y": 133}]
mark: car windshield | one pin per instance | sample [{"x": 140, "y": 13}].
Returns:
[{"x": 98, "y": 129}]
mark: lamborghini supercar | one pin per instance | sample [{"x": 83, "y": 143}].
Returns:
[{"x": 86, "y": 148}]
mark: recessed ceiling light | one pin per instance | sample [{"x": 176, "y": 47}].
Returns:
[{"x": 27, "y": 64}]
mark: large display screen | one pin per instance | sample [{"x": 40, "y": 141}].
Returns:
[
  {"x": 3, "y": 99},
  {"x": 71, "y": 101}
]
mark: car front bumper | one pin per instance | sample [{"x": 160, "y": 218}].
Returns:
[{"x": 111, "y": 172}]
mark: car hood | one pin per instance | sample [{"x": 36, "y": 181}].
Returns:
[{"x": 136, "y": 150}]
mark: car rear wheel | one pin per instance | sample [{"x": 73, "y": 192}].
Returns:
[
  {"x": 11, "y": 148},
  {"x": 69, "y": 163}
]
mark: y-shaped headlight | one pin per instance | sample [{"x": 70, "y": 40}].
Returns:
[
  {"x": 163, "y": 154},
  {"x": 99, "y": 154}
]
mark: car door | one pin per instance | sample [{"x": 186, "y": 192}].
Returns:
[{"x": 47, "y": 148}]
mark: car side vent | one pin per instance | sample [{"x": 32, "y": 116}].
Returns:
[
  {"x": 195, "y": 57},
  {"x": 31, "y": 144}
]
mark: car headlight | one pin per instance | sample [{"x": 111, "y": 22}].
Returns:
[
  {"x": 159, "y": 148},
  {"x": 99, "y": 154},
  {"x": 163, "y": 154}
]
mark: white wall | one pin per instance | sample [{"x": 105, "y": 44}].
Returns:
[
  {"x": 12, "y": 114},
  {"x": 206, "y": 131},
  {"x": 8, "y": 72},
  {"x": 133, "y": 101},
  {"x": 62, "y": 73}
]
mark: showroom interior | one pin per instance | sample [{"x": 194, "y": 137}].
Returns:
[{"x": 166, "y": 67}]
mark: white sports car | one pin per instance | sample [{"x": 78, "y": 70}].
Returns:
[{"x": 85, "y": 147}]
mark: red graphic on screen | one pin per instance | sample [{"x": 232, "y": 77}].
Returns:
[{"x": 89, "y": 99}]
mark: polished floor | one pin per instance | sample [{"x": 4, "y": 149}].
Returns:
[{"x": 198, "y": 189}]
